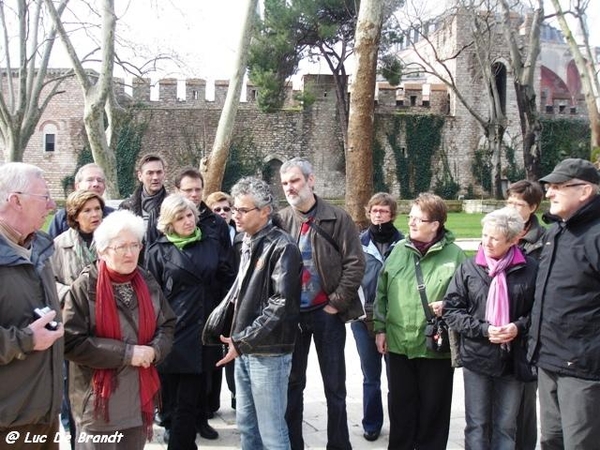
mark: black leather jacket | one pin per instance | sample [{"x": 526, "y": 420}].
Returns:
[{"x": 266, "y": 298}]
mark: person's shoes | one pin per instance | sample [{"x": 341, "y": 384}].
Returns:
[
  {"x": 166, "y": 436},
  {"x": 371, "y": 435},
  {"x": 208, "y": 432},
  {"x": 210, "y": 415},
  {"x": 232, "y": 401}
]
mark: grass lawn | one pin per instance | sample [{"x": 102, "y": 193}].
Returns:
[{"x": 462, "y": 225}]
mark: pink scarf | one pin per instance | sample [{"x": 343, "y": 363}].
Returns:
[{"x": 497, "y": 310}]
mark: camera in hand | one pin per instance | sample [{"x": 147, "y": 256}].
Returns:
[{"x": 41, "y": 312}]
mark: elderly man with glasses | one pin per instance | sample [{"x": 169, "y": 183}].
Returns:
[
  {"x": 31, "y": 348},
  {"x": 564, "y": 339}
]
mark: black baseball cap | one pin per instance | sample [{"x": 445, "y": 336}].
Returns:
[{"x": 573, "y": 168}]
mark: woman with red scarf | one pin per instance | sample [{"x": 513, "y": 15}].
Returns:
[
  {"x": 118, "y": 326},
  {"x": 488, "y": 303}
]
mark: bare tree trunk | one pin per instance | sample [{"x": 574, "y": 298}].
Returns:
[
  {"x": 359, "y": 154},
  {"x": 22, "y": 101},
  {"x": 97, "y": 93},
  {"x": 523, "y": 67},
  {"x": 214, "y": 165},
  {"x": 590, "y": 82}
]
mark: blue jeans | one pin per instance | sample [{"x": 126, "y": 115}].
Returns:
[
  {"x": 370, "y": 364},
  {"x": 261, "y": 384},
  {"x": 329, "y": 333},
  {"x": 491, "y": 409}
]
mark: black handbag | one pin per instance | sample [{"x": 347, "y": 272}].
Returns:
[
  {"x": 219, "y": 323},
  {"x": 437, "y": 338}
]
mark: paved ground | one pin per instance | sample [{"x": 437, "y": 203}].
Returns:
[
  {"x": 315, "y": 418},
  {"x": 315, "y": 414}
]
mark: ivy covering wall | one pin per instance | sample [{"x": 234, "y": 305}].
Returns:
[{"x": 413, "y": 139}]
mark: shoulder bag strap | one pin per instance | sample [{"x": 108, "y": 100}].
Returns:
[
  {"x": 421, "y": 288},
  {"x": 320, "y": 231}
]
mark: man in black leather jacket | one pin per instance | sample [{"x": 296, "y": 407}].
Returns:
[
  {"x": 564, "y": 339},
  {"x": 266, "y": 299}
]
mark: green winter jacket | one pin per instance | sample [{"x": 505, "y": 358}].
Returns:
[{"x": 398, "y": 310}]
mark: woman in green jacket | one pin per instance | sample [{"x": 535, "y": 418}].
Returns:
[{"x": 420, "y": 381}]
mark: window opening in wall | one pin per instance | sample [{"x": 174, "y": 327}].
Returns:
[
  {"x": 573, "y": 110},
  {"x": 49, "y": 142},
  {"x": 195, "y": 94},
  {"x": 413, "y": 100},
  {"x": 561, "y": 108},
  {"x": 549, "y": 109},
  {"x": 426, "y": 103}
]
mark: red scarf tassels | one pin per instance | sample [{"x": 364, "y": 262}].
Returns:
[{"x": 108, "y": 325}]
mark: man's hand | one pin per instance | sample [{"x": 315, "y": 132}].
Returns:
[
  {"x": 42, "y": 337},
  {"x": 231, "y": 351},
  {"x": 143, "y": 356}
]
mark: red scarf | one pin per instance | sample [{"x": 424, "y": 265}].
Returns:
[{"x": 104, "y": 381}]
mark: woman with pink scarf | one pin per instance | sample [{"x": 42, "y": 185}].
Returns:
[{"x": 488, "y": 303}]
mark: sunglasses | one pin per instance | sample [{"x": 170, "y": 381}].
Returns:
[{"x": 218, "y": 209}]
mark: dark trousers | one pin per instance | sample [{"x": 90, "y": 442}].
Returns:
[
  {"x": 527, "y": 420},
  {"x": 329, "y": 334},
  {"x": 185, "y": 390},
  {"x": 371, "y": 366},
  {"x": 568, "y": 412},
  {"x": 419, "y": 402}
]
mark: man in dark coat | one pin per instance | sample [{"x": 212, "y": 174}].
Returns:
[
  {"x": 564, "y": 338},
  {"x": 148, "y": 196}
]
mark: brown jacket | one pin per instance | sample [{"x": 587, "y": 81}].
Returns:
[
  {"x": 341, "y": 272},
  {"x": 88, "y": 352},
  {"x": 30, "y": 381}
]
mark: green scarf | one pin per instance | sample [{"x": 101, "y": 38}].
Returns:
[{"x": 180, "y": 241}]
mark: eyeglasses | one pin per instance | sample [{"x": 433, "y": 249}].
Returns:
[
  {"x": 122, "y": 250},
  {"x": 218, "y": 209},
  {"x": 46, "y": 197},
  {"x": 380, "y": 211},
  {"x": 419, "y": 220},
  {"x": 561, "y": 187},
  {"x": 242, "y": 211}
]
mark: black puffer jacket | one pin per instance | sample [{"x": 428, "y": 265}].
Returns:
[
  {"x": 266, "y": 297},
  {"x": 194, "y": 280},
  {"x": 464, "y": 311},
  {"x": 565, "y": 321}
]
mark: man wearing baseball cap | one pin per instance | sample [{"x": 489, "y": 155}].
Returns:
[{"x": 565, "y": 321}]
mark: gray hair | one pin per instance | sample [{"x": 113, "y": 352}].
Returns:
[
  {"x": 114, "y": 224},
  {"x": 507, "y": 220},
  {"x": 303, "y": 164},
  {"x": 82, "y": 169},
  {"x": 16, "y": 177},
  {"x": 258, "y": 189},
  {"x": 171, "y": 206}
]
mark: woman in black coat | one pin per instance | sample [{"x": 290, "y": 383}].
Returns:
[
  {"x": 488, "y": 303},
  {"x": 195, "y": 273}
]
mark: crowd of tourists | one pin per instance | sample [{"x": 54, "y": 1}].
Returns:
[{"x": 116, "y": 321}]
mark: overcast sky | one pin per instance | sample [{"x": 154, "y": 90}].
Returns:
[{"x": 203, "y": 34}]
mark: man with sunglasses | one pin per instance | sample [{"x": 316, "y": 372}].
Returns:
[{"x": 564, "y": 339}]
